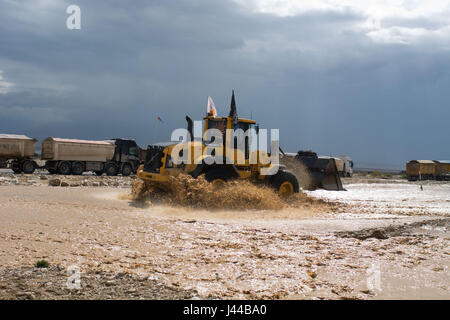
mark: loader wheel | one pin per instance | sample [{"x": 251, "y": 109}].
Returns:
[
  {"x": 126, "y": 170},
  {"x": 64, "y": 168},
  {"x": 111, "y": 169},
  {"x": 77, "y": 168},
  {"x": 28, "y": 167},
  {"x": 217, "y": 176},
  {"x": 285, "y": 183}
]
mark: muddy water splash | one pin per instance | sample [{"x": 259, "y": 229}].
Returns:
[
  {"x": 299, "y": 169},
  {"x": 186, "y": 191}
]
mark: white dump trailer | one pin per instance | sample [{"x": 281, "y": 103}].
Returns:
[
  {"x": 17, "y": 152},
  {"x": 58, "y": 149},
  {"x": 74, "y": 156}
]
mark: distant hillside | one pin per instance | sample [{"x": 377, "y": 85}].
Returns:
[{"x": 382, "y": 167}]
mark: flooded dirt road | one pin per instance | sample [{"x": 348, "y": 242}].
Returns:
[{"x": 376, "y": 247}]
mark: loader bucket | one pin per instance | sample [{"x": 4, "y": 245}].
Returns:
[
  {"x": 328, "y": 178},
  {"x": 323, "y": 171},
  {"x": 314, "y": 172}
]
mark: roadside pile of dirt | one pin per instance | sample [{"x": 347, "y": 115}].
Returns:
[
  {"x": 42, "y": 179},
  {"x": 187, "y": 191},
  {"x": 420, "y": 227},
  {"x": 89, "y": 181},
  {"x": 51, "y": 283},
  {"x": 12, "y": 179}
]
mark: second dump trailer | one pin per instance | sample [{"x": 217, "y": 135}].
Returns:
[{"x": 73, "y": 156}]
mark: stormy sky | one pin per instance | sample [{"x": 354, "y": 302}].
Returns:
[{"x": 370, "y": 79}]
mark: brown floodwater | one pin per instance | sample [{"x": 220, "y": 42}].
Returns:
[{"x": 263, "y": 247}]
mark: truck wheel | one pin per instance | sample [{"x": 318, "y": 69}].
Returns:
[
  {"x": 16, "y": 167},
  {"x": 64, "y": 168},
  {"x": 126, "y": 170},
  {"x": 217, "y": 175},
  {"x": 285, "y": 183},
  {"x": 28, "y": 167},
  {"x": 111, "y": 169},
  {"x": 77, "y": 168},
  {"x": 99, "y": 173}
]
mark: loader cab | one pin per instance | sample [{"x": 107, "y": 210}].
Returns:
[
  {"x": 224, "y": 123},
  {"x": 220, "y": 124},
  {"x": 244, "y": 125}
]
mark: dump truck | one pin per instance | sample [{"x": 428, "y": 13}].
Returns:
[
  {"x": 160, "y": 166},
  {"x": 313, "y": 171},
  {"x": 17, "y": 153},
  {"x": 73, "y": 156},
  {"x": 347, "y": 167}
]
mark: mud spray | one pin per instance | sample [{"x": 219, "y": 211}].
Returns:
[
  {"x": 300, "y": 171},
  {"x": 186, "y": 191}
]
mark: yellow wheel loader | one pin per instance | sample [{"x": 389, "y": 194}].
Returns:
[{"x": 164, "y": 160}]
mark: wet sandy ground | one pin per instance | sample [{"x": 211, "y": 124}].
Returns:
[
  {"x": 377, "y": 250},
  {"x": 394, "y": 196}
]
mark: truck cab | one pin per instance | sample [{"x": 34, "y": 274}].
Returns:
[{"x": 126, "y": 155}]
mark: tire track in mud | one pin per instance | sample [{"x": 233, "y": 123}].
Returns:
[{"x": 417, "y": 228}]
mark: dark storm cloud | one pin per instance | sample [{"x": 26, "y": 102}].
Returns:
[{"x": 316, "y": 76}]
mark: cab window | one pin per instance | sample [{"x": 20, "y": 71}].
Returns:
[
  {"x": 133, "y": 151},
  {"x": 218, "y": 124},
  {"x": 244, "y": 126}
]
